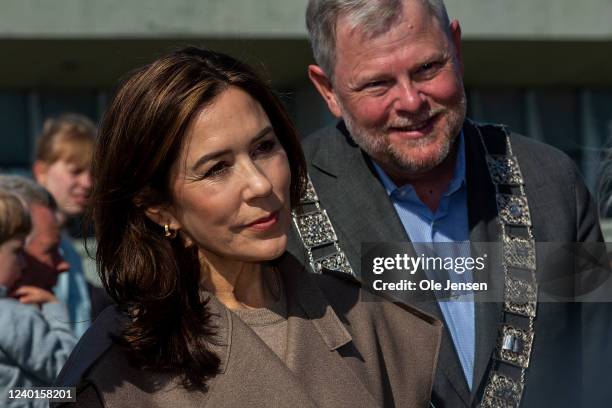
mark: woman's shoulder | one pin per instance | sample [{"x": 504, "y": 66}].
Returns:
[
  {"x": 93, "y": 348},
  {"x": 347, "y": 297},
  {"x": 110, "y": 379},
  {"x": 398, "y": 336}
]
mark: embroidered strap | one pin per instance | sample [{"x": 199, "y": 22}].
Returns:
[
  {"x": 318, "y": 235},
  {"x": 506, "y": 379}
]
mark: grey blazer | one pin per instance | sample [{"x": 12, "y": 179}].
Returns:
[
  {"x": 341, "y": 352},
  {"x": 566, "y": 368}
]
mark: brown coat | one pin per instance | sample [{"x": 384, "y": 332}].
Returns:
[{"x": 341, "y": 352}]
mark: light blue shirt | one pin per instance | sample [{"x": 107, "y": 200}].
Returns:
[
  {"x": 72, "y": 290},
  {"x": 448, "y": 224}
]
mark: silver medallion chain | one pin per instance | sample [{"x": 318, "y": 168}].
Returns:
[
  {"x": 318, "y": 235},
  {"x": 507, "y": 377}
]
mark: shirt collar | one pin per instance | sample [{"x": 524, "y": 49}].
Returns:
[{"x": 457, "y": 181}]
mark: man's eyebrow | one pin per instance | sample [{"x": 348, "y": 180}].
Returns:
[{"x": 210, "y": 156}]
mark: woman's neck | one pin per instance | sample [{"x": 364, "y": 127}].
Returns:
[{"x": 240, "y": 285}]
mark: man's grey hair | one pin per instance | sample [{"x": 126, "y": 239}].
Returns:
[
  {"x": 373, "y": 17},
  {"x": 29, "y": 191}
]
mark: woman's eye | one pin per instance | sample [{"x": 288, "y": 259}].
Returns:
[
  {"x": 216, "y": 170},
  {"x": 265, "y": 147}
]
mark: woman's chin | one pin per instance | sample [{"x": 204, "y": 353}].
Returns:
[{"x": 272, "y": 249}]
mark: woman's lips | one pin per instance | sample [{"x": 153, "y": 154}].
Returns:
[{"x": 264, "y": 223}]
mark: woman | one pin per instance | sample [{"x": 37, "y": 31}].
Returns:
[
  {"x": 62, "y": 165},
  {"x": 195, "y": 174},
  {"x": 35, "y": 339}
]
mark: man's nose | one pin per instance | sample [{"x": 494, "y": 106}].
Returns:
[{"x": 409, "y": 98}]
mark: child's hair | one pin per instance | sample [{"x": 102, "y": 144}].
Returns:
[
  {"x": 14, "y": 217},
  {"x": 69, "y": 137}
]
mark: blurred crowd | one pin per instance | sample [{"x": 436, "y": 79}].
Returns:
[{"x": 47, "y": 301}]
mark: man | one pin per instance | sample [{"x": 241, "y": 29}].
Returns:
[
  {"x": 44, "y": 262},
  {"x": 404, "y": 164}
]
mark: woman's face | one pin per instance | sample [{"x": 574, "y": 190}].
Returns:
[
  {"x": 231, "y": 182},
  {"x": 12, "y": 261},
  {"x": 68, "y": 183}
]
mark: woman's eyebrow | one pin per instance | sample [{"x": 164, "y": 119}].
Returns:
[
  {"x": 209, "y": 156},
  {"x": 262, "y": 133}
]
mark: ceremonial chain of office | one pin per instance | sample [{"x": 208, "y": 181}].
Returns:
[{"x": 506, "y": 379}]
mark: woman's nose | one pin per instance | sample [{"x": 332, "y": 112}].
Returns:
[
  {"x": 85, "y": 179},
  {"x": 258, "y": 183}
]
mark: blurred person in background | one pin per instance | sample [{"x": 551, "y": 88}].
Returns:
[
  {"x": 44, "y": 261},
  {"x": 35, "y": 337},
  {"x": 62, "y": 165}
]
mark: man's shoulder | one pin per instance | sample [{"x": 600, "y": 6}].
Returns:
[
  {"x": 324, "y": 133},
  {"x": 527, "y": 149},
  {"x": 330, "y": 136}
]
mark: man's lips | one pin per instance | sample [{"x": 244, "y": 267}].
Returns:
[
  {"x": 416, "y": 130},
  {"x": 264, "y": 223}
]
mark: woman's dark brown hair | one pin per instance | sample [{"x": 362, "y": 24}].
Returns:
[{"x": 155, "y": 280}]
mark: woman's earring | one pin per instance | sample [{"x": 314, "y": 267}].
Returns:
[{"x": 169, "y": 233}]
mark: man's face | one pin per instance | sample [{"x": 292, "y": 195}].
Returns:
[
  {"x": 400, "y": 93},
  {"x": 44, "y": 261}
]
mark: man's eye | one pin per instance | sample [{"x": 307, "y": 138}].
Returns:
[
  {"x": 428, "y": 68},
  {"x": 376, "y": 84},
  {"x": 216, "y": 170}
]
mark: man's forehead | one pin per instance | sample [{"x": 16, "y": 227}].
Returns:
[{"x": 44, "y": 223}]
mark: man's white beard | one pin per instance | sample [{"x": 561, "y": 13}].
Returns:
[{"x": 376, "y": 144}]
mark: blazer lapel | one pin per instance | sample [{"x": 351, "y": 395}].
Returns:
[
  {"x": 484, "y": 236},
  {"x": 377, "y": 222},
  {"x": 315, "y": 334},
  {"x": 371, "y": 217},
  {"x": 245, "y": 359}
]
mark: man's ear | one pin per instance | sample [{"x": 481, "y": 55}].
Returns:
[
  {"x": 39, "y": 170},
  {"x": 455, "y": 31},
  {"x": 325, "y": 88}
]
